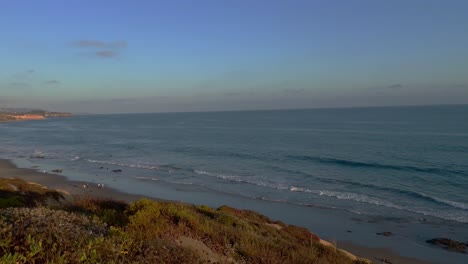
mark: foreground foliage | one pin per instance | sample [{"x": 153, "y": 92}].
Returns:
[{"x": 106, "y": 231}]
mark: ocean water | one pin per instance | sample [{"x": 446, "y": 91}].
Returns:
[{"x": 394, "y": 165}]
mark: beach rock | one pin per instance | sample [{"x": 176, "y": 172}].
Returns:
[
  {"x": 119, "y": 170},
  {"x": 449, "y": 244},
  {"x": 386, "y": 233},
  {"x": 57, "y": 171},
  {"x": 385, "y": 261}
]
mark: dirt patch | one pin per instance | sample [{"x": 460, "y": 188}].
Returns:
[
  {"x": 202, "y": 250},
  {"x": 276, "y": 226},
  {"x": 328, "y": 244}
]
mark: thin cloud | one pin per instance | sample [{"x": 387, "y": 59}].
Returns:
[
  {"x": 101, "y": 49},
  {"x": 100, "y": 44},
  {"x": 106, "y": 54},
  {"x": 294, "y": 91},
  {"x": 103, "y": 54},
  {"x": 19, "y": 84},
  {"x": 52, "y": 82},
  {"x": 394, "y": 86},
  {"x": 24, "y": 74}
]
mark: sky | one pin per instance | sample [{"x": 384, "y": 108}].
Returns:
[{"x": 214, "y": 55}]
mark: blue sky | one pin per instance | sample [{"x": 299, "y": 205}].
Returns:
[{"x": 150, "y": 56}]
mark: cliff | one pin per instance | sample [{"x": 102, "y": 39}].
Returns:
[{"x": 6, "y": 116}]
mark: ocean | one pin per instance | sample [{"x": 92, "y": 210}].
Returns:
[{"x": 331, "y": 170}]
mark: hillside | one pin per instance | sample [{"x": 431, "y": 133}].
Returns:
[{"x": 39, "y": 225}]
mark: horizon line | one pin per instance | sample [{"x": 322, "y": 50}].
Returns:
[{"x": 274, "y": 109}]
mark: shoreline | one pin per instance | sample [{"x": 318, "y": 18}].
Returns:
[
  {"x": 75, "y": 188},
  {"x": 60, "y": 183}
]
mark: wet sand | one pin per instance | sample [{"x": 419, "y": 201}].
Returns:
[
  {"x": 379, "y": 255},
  {"x": 61, "y": 183}
]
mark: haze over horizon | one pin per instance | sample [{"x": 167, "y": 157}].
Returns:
[{"x": 164, "y": 56}]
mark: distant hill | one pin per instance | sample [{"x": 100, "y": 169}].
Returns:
[{"x": 16, "y": 114}]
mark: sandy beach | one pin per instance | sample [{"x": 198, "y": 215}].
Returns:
[
  {"x": 75, "y": 188},
  {"x": 61, "y": 183}
]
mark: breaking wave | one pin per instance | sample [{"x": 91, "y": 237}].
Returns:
[
  {"x": 351, "y": 163},
  {"x": 139, "y": 166}
]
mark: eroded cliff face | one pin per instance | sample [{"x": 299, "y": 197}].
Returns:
[
  {"x": 9, "y": 116},
  {"x": 17, "y": 117},
  {"x": 29, "y": 117}
]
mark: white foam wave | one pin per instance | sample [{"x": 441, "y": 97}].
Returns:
[
  {"x": 459, "y": 205},
  {"x": 361, "y": 198},
  {"x": 452, "y": 203},
  {"x": 454, "y": 216},
  {"x": 139, "y": 166},
  {"x": 240, "y": 179},
  {"x": 146, "y": 178},
  {"x": 300, "y": 189}
]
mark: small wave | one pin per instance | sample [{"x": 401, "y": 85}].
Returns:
[
  {"x": 453, "y": 216},
  {"x": 351, "y": 163},
  {"x": 459, "y": 205},
  {"x": 299, "y": 189},
  {"x": 139, "y": 166},
  {"x": 146, "y": 178},
  {"x": 239, "y": 179},
  {"x": 358, "y": 198},
  {"x": 217, "y": 153},
  {"x": 361, "y": 198},
  {"x": 399, "y": 191}
]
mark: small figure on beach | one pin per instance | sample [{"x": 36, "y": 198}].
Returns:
[
  {"x": 85, "y": 186},
  {"x": 44, "y": 171},
  {"x": 100, "y": 185}
]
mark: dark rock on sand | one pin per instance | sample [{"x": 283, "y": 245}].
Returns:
[
  {"x": 386, "y": 233},
  {"x": 119, "y": 170},
  {"x": 449, "y": 244},
  {"x": 57, "y": 171},
  {"x": 386, "y": 261}
]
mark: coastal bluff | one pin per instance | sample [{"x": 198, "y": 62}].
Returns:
[{"x": 13, "y": 115}]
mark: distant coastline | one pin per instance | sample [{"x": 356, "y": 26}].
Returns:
[{"x": 11, "y": 115}]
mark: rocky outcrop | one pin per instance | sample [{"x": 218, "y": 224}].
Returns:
[
  {"x": 449, "y": 244},
  {"x": 386, "y": 233}
]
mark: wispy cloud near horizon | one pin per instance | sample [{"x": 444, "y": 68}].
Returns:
[
  {"x": 102, "y": 49},
  {"x": 19, "y": 84},
  {"x": 106, "y": 54},
  {"x": 52, "y": 82},
  {"x": 100, "y": 44}
]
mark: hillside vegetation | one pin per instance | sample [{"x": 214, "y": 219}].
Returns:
[{"x": 38, "y": 225}]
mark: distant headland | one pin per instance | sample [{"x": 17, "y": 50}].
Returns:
[{"x": 7, "y": 115}]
